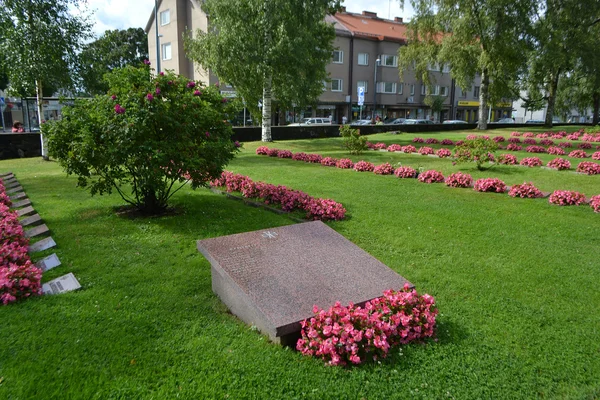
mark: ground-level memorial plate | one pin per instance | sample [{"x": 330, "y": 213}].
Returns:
[
  {"x": 65, "y": 283},
  {"x": 272, "y": 278}
]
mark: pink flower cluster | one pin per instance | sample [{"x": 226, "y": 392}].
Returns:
[
  {"x": 541, "y": 135},
  {"x": 405, "y": 172},
  {"x": 425, "y": 150},
  {"x": 459, "y": 180},
  {"x": 515, "y": 134},
  {"x": 344, "y": 163},
  {"x": 565, "y": 144},
  {"x": 573, "y": 136},
  {"x": 514, "y": 140},
  {"x": 364, "y": 166},
  {"x": 489, "y": 185},
  {"x": 443, "y": 153},
  {"x": 329, "y": 161},
  {"x": 284, "y": 154},
  {"x": 380, "y": 146},
  {"x": 530, "y": 141},
  {"x": 596, "y": 156},
  {"x": 394, "y": 147},
  {"x": 431, "y": 176},
  {"x": 526, "y": 190},
  {"x": 559, "y": 164},
  {"x": 578, "y": 154},
  {"x": 432, "y": 141},
  {"x": 288, "y": 199},
  {"x": 566, "y": 198},
  {"x": 499, "y": 139},
  {"x": 409, "y": 149},
  {"x": 595, "y": 203},
  {"x": 589, "y": 168},
  {"x": 384, "y": 169},
  {"x": 418, "y": 140},
  {"x": 584, "y": 145},
  {"x": 447, "y": 142},
  {"x": 557, "y": 151},
  {"x": 507, "y": 159},
  {"x": 531, "y": 162},
  {"x": 547, "y": 142},
  {"x": 528, "y": 134},
  {"x": 262, "y": 150},
  {"x": 535, "y": 149},
  {"x": 513, "y": 147},
  {"x": 352, "y": 334}
]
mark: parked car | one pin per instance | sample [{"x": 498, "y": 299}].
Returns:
[
  {"x": 505, "y": 121},
  {"x": 361, "y": 122},
  {"x": 534, "y": 121},
  {"x": 312, "y": 121},
  {"x": 418, "y": 122},
  {"x": 454, "y": 121},
  {"x": 397, "y": 121}
]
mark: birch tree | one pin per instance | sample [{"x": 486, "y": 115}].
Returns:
[{"x": 267, "y": 49}]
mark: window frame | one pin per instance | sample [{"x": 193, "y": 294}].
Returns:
[
  {"x": 341, "y": 57},
  {"x": 366, "y": 55},
  {"x": 340, "y": 83},
  {"x": 366, "y": 85},
  {"x": 385, "y": 57},
  {"x": 163, "y": 47},
  {"x": 166, "y": 12},
  {"x": 476, "y": 92},
  {"x": 381, "y": 86}
]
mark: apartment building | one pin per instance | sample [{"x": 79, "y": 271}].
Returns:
[{"x": 366, "y": 56}]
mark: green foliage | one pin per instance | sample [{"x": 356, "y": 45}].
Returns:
[
  {"x": 480, "y": 151},
  {"x": 150, "y": 133},
  {"x": 353, "y": 141},
  {"x": 114, "y": 49},
  {"x": 436, "y": 103}
]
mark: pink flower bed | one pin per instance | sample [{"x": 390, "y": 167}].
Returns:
[
  {"x": 344, "y": 163},
  {"x": 380, "y": 146},
  {"x": 405, "y": 172},
  {"x": 565, "y": 144},
  {"x": 513, "y": 147},
  {"x": 541, "y": 135},
  {"x": 528, "y": 134},
  {"x": 596, "y": 156},
  {"x": 459, "y": 180},
  {"x": 526, "y": 190},
  {"x": 394, "y": 147},
  {"x": 284, "y": 154},
  {"x": 418, "y": 140},
  {"x": 343, "y": 335},
  {"x": 573, "y": 136},
  {"x": 262, "y": 150},
  {"x": 329, "y": 161},
  {"x": 559, "y": 164},
  {"x": 364, "y": 166},
  {"x": 530, "y": 141},
  {"x": 578, "y": 154},
  {"x": 409, "y": 149},
  {"x": 499, "y": 139},
  {"x": 273, "y": 152},
  {"x": 489, "y": 185},
  {"x": 557, "y": 151},
  {"x": 547, "y": 142},
  {"x": 431, "y": 176},
  {"x": 531, "y": 162},
  {"x": 443, "y": 153},
  {"x": 584, "y": 145},
  {"x": 314, "y": 158},
  {"x": 432, "y": 141},
  {"x": 595, "y": 203},
  {"x": 507, "y": 159},
  {"x": 514, "y": 140},
  {"x": 459, "y": 143},
  {"x": 425, "y": 150},
  {"x": 300, "y": 157},
  {"x": 589, "y": 168},
  {"x": 384, "y": 169},
  {"x": 447, "y": 142},
  {"x": 471, "y": 137},
  {"x": 566, "y": 198},
  {"x": 515, "y": 134}
]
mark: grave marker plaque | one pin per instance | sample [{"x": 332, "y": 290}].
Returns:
[
  {"x": 14, "y": 189},
  {"x": 34, "y": 219},
  {"x": 43, "y": 244},
  {"x": 12, "y": 185},
  {"x": 25, "y": 211},
  {"x": 48, "y": 263},
  {"x": 65, "y": 283},
  {"x": 38, "y": 230},
  {"x": 273, "y": 277},
  {"x": 21, "y": 203}
]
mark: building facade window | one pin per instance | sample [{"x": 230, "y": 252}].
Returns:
[
  {"x": 362, "y": 84},
  {"x": 386, "y": 87},
  {"x": 388, "y": 60},
  {"x": 476, "y": 92},
  {"x": 436, "y": 90},
  {"x": 165, "y": 17},
  {"x": 338, "y": 57},
  {"x": 412, "y": 90},
  {"x": 166, "y": 51},
  {"x": 463, "y": 92},
  {"x": 400, "y": 88},
  {"x": 336, "y": 85},
  {"x": 363, "y": 58},
  {"x": 446, "y": 68},
  {"x": 444, "y": 91},
  {"x": 423, "y": 89}
]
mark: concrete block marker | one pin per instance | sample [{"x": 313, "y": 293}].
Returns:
[
  {"x": 21, "y": 203},
  {"x": 12, "y": 185},
  {"x": 48, "y": 263},
  {"x": 18, "y": 196},
  {"x": 3, "y": 174},
  {"x": 42, "y": 245},
  {"x": 6, "y": 176},
  {"x": 33, "y": 220},
  {"x": 14, "y": 189},
  {"x": 25, "y": 211},
  {"x": 9, "y": 182},
  {"x": 65, "y": 283},
  {"x": 37, "y": 231}
]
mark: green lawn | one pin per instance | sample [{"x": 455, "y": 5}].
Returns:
[{"x": 516, "y": 282}]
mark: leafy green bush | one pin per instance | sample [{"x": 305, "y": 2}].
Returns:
[
  {"x": 153, "y": 134},
  {"x": 480, "y": 151},
  {"x": 355, "y": 143}
]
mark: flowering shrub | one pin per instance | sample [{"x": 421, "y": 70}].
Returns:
[
  {"x": 526, "y": 190},
  {"x": 507, "y": 159},
  {"x": 394, "y": 147},
  {"x": 369, "y": 145},
  {"x": 405, "y": 172},
  {"x": 513, "y": 147},
  {"x": 514, "y": 140},
  {"x": 379, "y": 146},
  {"x": 262, "y": 150},
  {"x": 459, "y": 143},
  {"x": 344, "y": 163},
  {"x": 557, "y": 136},
  {"x": 565, "y": 144},
  {"x": 578, "y": 154},
  {"x": 489, "y": 185},
  {"x": 384, "y": 169},
  {"x": 471, "y": 137},
  {"x": 596, "y": 156},
  {"x": 431, "y": 176},
  {"x": 573, "y": 136},
  {"x": 595, "y": 203},
  {"x": 528, "y": 134},
  {"x": 432, "y": 141},
  {"x": 324, "y": 210},
  {"x": 5, "y": 199},
  {"x": 530, "y": 141},
  {"x": 443, "y": 153},
  {"x": 19, "y": 281},
  {"x": 515, "y": 134},
  {"x": 300, "y": 157},
  {"x": 541, "y": 135},
  {"x": 566, "y": 198},
  {"x": 447, "y": 142},
  {"x": 584, "y": 145},
  {"x": 284, "y": 154},
  {"x": 459, "y": 180},
  {"x": 314, "y": 158},
  {"x": 559, "y": 164},
  {"x": 557, "y": 151},
  {"x": 547, "y": 142},
  {"x": 425, "y": 150},
  {"x": 531, "y": 162},
  {"x": 329, "y": 162},
  {"x": 418, "y": 140},
  {"x": 589, "y": 168},
  {"x": 499, "y": 139},
  {"x": 342, "y": 335},
  {"x": 409, "y": 149},
  {"x": 364, "y": 166}
]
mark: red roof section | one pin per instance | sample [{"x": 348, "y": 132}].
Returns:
[{"x": 369, "y": 26}]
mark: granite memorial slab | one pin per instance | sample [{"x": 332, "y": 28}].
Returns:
[
  {"x": 18, "y": 196},
  {"x": 34, "y": 219},
  {"x": 48, "y": 263},
  {"x": 37, "y": 231},
  {"x": 3, "y": 174},
  {"x": 6, "y": 176},
  {"x": 43, "y": 244},
  {"x": 25, "y": 211},
  {"x": 9, "y": 182},
  {"x": 272, "y": 278},
  {"x": 12, "y": 185},
  {"x": 21, "y": 203},
  {"x": 14, "y": 189},
  {"x": 65, "y": 283}
]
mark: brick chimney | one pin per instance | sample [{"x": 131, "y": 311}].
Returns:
[
  {"x": 369, "y": 14},
  {"x": 398, "y": 19}
]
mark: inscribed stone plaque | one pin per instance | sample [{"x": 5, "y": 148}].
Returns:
[
  {"x": 43, "y": 244},
  {"x": 12, "y": 185},
  {"x": 7, "y": 176},
  {"x": 34, "y": 219},
  {"x": 25, "y": 211},
  {"x": 21, "y": 203},
  {"x": 10, "y": 182},
  {"x": 3, "y": 174},
  {"x": 14, "y": 189},
  {"x": 65, "y": 283},
  {"x": 38, "y": 230},
  {"x": 273, "y": 277},
  {"x": 48, "y": 263},
  {"x": 18, "y": 196}
]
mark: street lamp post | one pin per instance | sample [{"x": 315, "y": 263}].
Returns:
[{"x": 375, "y": 89}]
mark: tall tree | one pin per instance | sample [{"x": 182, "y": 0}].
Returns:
[
  {"x": 267, "y": 48},
  {"x": 40, "y": 39},
  {"x": 485, "y": 37},
  {"x": 114, "y": 49}
]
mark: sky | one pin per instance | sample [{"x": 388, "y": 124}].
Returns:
[{"x": 123, "y": 14}]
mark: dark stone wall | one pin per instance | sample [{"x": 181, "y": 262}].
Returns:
[{"x": 19, "y": 145}]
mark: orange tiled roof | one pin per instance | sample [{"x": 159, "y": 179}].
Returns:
[{"x": 369, "y": 26}]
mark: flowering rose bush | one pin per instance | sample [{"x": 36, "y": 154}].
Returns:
[
  {"x": 394, "y": 147},
  {"x": 596, "y": 156},
  {"x": 425, "y": 150},
  {"x": 364, "y": 166},
  {"x": 535, "y": 149},
  {"x": 344, "y": 163},
  {"x": 329, "y": 161},
  {"x": 447, "y": 142},
  {"x": 515, "y": 134},
  {"x": 565, "y": 144},
  {"x": 459, "y": 180},
  {"x": 418, "y": 140},
  {"x": 405, "y": 172},
  {"x": 584, "y": 145},
  {"x": 380, "y": 146},
  {"x": 342, "y": 335},
  {"x": 528, "y": 134},
  {"x": 514, "y": 140},
  {"x": 595, "y": 203},
  {"x": 489, "y": 185},
  {"x": 262, "y": 150},
  {"x": 300, "y": 157},
  {"x": 314, "y": 158},
  {"x": 566, "y": 198},
  {"x": 559, "y": 164},
  {"x": 431, "y": 176},
  {"x": 531, "y": 162},
  {"x": 499, "y": 139},
  {"x": 557, "y": 151},
  {"x": 432, "y": 141},
  {"x": 530, "y": 141},
  {"x": 443, "y": 153},
  {"x": 409, "y": 149},
  {"x": 589, "y": 168},
  {"x": 273, "y": 152},
  {"x": 384, "y": 169},
  {"x": 578, "y": 154},
  {"x": 507, "y": 159},
  {"x": 284, "y": 154},
  {"x": 526, "y": 190},
  {"x": 547, "y": 142},
  {"x": 513, "y": 147}
]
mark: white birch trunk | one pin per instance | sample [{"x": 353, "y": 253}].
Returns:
[
  {"x": 266, "y": 109},
  {"x": 40, "y": 110},
  {"x": 483, "y": 101}
]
